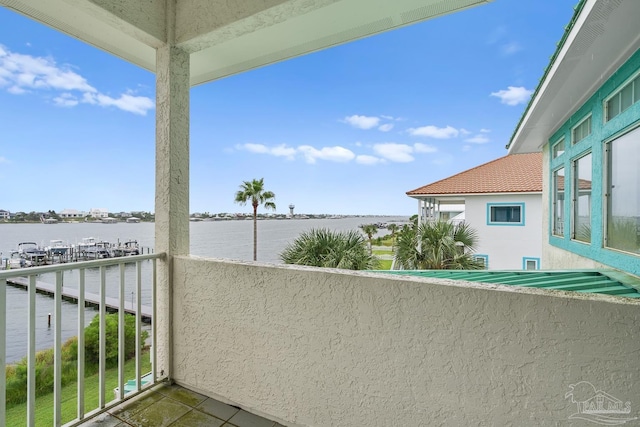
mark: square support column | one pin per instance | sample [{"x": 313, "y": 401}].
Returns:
[{"x": 172, "y": 185}]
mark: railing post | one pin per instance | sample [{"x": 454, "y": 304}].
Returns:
[
  {"x": 102, "y": 338},
  {"x": 3, "y": 351},
  {"x": 121, "y": 336},
  {"x": 31, "y": 354},
  {"x": 57, "y": 352},
  {"x": 138, "y": 310},
  {"x": 81, "y": 344}
]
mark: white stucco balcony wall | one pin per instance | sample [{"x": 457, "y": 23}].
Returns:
[{"x": 315, "y": 347}]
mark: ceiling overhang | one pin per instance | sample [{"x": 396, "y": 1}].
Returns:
[
  {"x": 604, "y": 35},
  {"x": 226, "y": 38}
]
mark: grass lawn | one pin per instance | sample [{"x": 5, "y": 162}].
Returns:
[
  {"x": 385, "y": 264},
  {"x": 383, "y": 252},
  {"x": 17, "y": 415}
]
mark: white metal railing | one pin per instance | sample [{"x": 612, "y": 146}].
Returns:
[{"x": 27, "y": 278}]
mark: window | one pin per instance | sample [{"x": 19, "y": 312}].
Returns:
[
  {"x": 628, "y": 95},
  {"x": 530, "y": 263},
  {"x": 483, "y": 259},
  {"x": 558, "y": 203},
  {"x": 581, "y": 131},
  {"x": 582, "y": 198},
  {"x": 505, "y": 214},
  {"x": 623, "y": 193},
  {"x": 558, "y": 148}
]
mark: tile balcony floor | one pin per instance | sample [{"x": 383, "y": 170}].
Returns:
[{"x": 175, "y": 406}]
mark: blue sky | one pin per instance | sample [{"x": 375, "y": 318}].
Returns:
[{"x": 348, "y": 130}]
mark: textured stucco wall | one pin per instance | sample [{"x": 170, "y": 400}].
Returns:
[
  {"x": 507, "y": 245},
  {"x": 312, "y": 347}
]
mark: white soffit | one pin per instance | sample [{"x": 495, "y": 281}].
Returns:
[
  {"x": 604, "y": 36},
  {"x": 334, "y": 23},
  {"x": 223, "y": 37}
]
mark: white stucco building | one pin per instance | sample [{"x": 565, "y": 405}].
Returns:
[{"x": 502, "y": 201}]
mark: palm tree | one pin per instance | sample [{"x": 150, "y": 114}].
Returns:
[
  {"x": 254, "y": 191},
  {"x": 334, "y": 249},
  {"x": 393, "y": 228},
  {"x": 369, "y": 230},
  {"x": 437, "y": 245}
]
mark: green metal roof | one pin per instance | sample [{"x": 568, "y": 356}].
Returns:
[{"x": 586, "y": 281}]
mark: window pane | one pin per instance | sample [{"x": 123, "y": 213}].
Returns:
[
  {"x": 582, "y": 199},
  {"x": 558, "y": 148},
  {"x": 623, "y": 206},
  {"x": 613, "y": 107},
  {"x": 626, "y": 97},
  {"x": 531, "y": 264},
  {"x": 558, "y": 202},
  {"x": 505, "y": 214}
]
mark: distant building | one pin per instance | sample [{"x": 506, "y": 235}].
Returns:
[
  {"x": 5, "y": 214},
  {"x": 99, "y": 213},
  {"x": 72, "y": 213}
]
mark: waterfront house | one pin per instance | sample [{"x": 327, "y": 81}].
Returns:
[
  {"x": 585, "y": 119},
  {"x": 71, "y": 213},
  {"x": 4, "y": 214},
  {"x": 99, "y": 213},
  {"x": 305, "y": 346},
  {"x": 501, "y": 200}
]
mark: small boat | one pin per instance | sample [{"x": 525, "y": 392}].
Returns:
[
  {"x": 30, "y": 251},
  {"x": 127, "y": 248},
  {"x": 14, "y": 261},
  {"x": 58, "y": 248}
]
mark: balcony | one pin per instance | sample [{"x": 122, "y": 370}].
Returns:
[{"x": 308, "y": 346}]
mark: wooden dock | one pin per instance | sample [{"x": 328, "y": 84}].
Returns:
[{"x": 90, "y": 299}]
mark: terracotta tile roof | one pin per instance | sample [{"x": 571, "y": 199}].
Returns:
[{"x": 515, "y": 173}]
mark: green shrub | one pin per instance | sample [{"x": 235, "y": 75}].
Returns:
[{"x": 16, "y": 374}]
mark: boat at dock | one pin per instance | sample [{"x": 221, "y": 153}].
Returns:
[
  {"x": 30, "y": 251},
  {"x": 58, "y": 248}
]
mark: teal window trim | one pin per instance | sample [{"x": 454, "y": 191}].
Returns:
[
  {"x": 508, "y": 223},
  {"x": 635, "y": 96},
  {"x": 602, "y": 131},
  {"x": 580, "y": 123},
  {"x": 485, "y": 259},
  {"x": 556, "y": 144},
  {"x": 525, "y": 259}
]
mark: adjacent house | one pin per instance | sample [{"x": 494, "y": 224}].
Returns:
[
  {"x": 4, "y": 214},
  {"x": 501, "y": 200},
  {"x": 585, "y": 119}
]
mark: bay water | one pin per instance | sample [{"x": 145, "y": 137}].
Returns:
[{"x": 213, "y": 239}]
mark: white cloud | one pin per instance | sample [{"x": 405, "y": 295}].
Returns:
[
  {"x": 26, "y": 73},
  {"x": 434, "y": 132},
  {"x": 400, "y": 153},
  {"x": 424, "y": 148},
  {"x": 362, "y": 122},
  {"x": 466, "y": 148},
  {"x": 483, "y": 130},
  {"x": 386, "y": 117},
  {"x": 65, "y": 100},
  {"x": 278, "y": 151},
  {"x": 511, "y": 48},
  {"x": 463, "y": 131},
  {"x": 477, "y": 139},
  {"x": 513, "y": 95},
  {"x": 334, "y": 154},
  {"x": 386, "y": 127},
  {"x": 365, "y": 159}
]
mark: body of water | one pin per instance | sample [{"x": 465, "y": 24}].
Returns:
[{"x": 214, "y": 239}]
